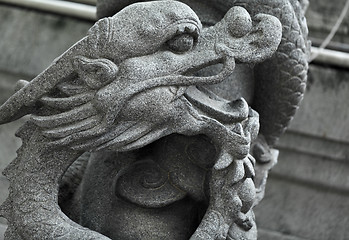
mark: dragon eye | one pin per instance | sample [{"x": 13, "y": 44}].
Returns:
[{"x": 181, "y": 43}]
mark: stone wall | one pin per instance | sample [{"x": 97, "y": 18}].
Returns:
[
  {"x": 322, "y": 16},
  {"x": 307, "y": 195}
]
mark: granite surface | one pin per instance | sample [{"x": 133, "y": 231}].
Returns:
[{"x": 306, "y": 142}]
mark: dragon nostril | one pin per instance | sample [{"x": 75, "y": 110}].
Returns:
[{"x": 238, "y": 21}]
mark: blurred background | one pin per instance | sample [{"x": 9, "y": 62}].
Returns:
[{"x": 307, "y": 195}]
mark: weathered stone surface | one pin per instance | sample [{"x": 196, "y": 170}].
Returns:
[
  {"x": 38, "y": 31},
  {"x": 8, "y": 146},
  {"x": 328, "y": 172},
  {"x": 324, "y": 110},
  {"x": 307, "y": 192},
  {"x": 322, "y": 215},
  {"x": 322, "y": 16},
  {"x": 4, "y": 184},
  {"x": 44, "y": 63},
  {"x": 9, "y": 142},
  {"x": 121, "y": 48},
  {"x": 264, "y": 234},
  {"x": 7, "y": 84},
  {"x": 30, "y": 40},
  {"x": 316, "y": 149},
  {"x": 2, "y": 231},
  {"x": 314, "y": 145}
]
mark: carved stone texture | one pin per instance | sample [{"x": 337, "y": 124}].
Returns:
[
  {"x": 152, "y": 151},
  {"x": 275, "y": 87}
]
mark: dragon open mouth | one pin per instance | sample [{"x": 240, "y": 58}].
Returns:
[
  {"x": 208, "y": 102},
  {"x": 221, "y": 109},
  {"x": 198, "y": 102}
]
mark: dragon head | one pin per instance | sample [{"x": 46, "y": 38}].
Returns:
[
  {"x": 145, "y": 46},
  {"x": 125, "y": 85}
]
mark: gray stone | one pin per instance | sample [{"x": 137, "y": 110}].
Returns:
[
  {"x": 312, "y": 170},
  {"x": 8, "y": 146},
  {"x": 322, "y": 16},
  {"x": 125, "y": 92},
  {"x": 314, "y": 145},
  {"x": 2, "y": 231},
  {"x": 37, "y": 32},
  {"x": 264, "y": 234},
  {"x": 323, "y": 112},
  {"x": 7, "y": 84},
  {"x": 302, "y": 210}
]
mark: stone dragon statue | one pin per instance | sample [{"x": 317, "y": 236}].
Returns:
[{"x": 130, "y": 82}]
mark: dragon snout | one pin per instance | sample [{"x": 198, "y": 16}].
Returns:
[
  {"x": 238, "y": 22},
  {"x": 236, "y": 38},
  {"x": 247, "y": 39}
]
